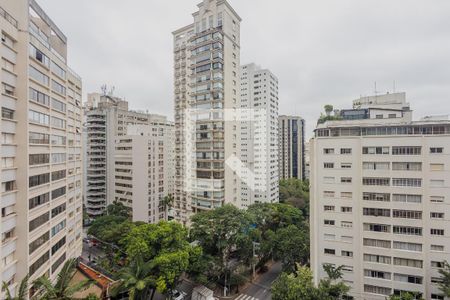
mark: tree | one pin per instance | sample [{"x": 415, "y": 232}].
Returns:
[
  {"x": 296, "y": 192},
  {"x": 118, "y": 209},
  {"x": 405, "y": 296},
  {"x": 165, "y": 246},
  {"x": 444, "y": 286},
  {"x": 111, "y": 228},
  {"x": 137, "y": 280},
  {"x": 299, "y": 285},
  {"x": 291, "y": 246},
  {"x": 328, "y": 109},
  {"x": 62, "y": 289},
  {"x": 21, "y": 292}
]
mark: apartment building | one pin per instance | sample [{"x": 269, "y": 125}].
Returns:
[
  {"x": 107, "y": 124},
  {"x": 259, "y": 136},
  {"x": 142, "y": 179},
  {"x": 41, "y": 158},
  {"x": 207, "y": 93},
  {"x": 291, "y": 147},
  {"x": 380, "y": 194}
]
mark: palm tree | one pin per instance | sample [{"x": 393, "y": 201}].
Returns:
[
  {"x": 137, "y": 279},
  {"x": 21, "y": 292},
  {"x": 444, "y": 286},
  {"x": 166, "y": 202},
  {"x": 62, "y": 289}
]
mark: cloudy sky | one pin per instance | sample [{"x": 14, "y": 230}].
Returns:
[{"x": 323, "y": 51}]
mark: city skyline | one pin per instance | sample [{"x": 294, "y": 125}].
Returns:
[{"x": 326, "y": 49}]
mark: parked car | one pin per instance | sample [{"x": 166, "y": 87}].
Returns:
[{"x": 178, "y": 295}]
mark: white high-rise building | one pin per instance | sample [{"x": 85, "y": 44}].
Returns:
[
  {"x": 207, "y": 91},
  {"x": 41, "y": 158},
  {"x": 380, "y": 195},
  {"x": 108, "y": 122},
  {"x": 291, "y": 147},
  {"x": 259, "y": 136}
]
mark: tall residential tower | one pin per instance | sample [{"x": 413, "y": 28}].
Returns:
[
  {"x": 380, "y": 195},
  {"x": 291, "y": 147},
  {"x": 207, "y": 93},
  {"x": 41, "y": 158},
  {"x": 259, "y": 136}
]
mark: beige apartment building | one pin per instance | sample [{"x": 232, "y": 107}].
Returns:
[
  {"x": 41, "y": 158},
  {"x": 291, "y": 147},
  {"x": 259, "y": 136},
  {"x": 207, "y": 94},
  {"x": 380, "y": 195},
  {"x": 113, "y": 135}
]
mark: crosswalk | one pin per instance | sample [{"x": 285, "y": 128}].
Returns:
[{"x": 245, "y": 297}]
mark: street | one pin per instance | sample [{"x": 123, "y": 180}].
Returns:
[{"x": 260, "y": 290}]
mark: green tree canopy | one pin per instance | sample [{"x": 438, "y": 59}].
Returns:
[
  {"x": 296, "y": 192},
  {"x": 111, "y": 228},
  {"x": 444, "y": 286},
  {"x": 118, "y": 209}
]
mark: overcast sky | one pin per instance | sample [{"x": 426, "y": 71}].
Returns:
[{"x": 323, "y": 51}]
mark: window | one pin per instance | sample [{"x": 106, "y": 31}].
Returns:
[
  {"x": 437, "y": 264},
  {"x": 437, "y": 199},
  {"x": 346, "y": 150},
  {"x": 407, "y": 166},
  {"x": 377, "y": 227},
  {"x": 58, "y": 140},
  {"x": 376, "y": 197},
  {"x": 58, "y": 105},
  {"x": 346, "y": 180},
  {"x": 407, "y": 214},
  {"x": 38, "y": 76},
  {"x": 328, "y": 180},
  {"x": 377, "y": 274},
  {"x": 381, "y": 259},
  {"x": 436, "y": 150},
  {"x": 346, "y": 165},
  {"x": 59, "y": 209},
  {"x": 58, "y": 192},
  {"x": 38, "y": 242},
  {"x": 57, "y": 228},
  {"x": 406, "y": 262},
  {"x": 38, "y": 263},
  {"x": 436, "y": 215},
  {"x": 409, "y": 182},
  {"x": 346, "y": 209},
  {"x": 406, "y": 150},
  {"x": 329, "y": 251},
  {"x": 347, "y": 253},
  {"x": 346, "y": 224},
  {"x": 408, "y": 198},
  {"x": 329, "y": 222},
  {"x": 439, "y": 248},
  {"x": 328, "y": 151},
  {"x": 437, "y": 231},
  {"x": 375, "y": 150},
  {"x": 407, "y": 230},
  {"x": 8, "y": 89},
  {"x": 39, "y": 221},
  {"x": 37, "y": 180},
  {"x": 39, "y": 138},
  {"x": 328, "y": 165},
  {"x": 39, "y": 97},
  {"x": 408, "y": 278},
  {"x": 38, "y": 200},
  {"x": 407, "y": 246},
  {"x": 9, "y": 186},
  {"x": 7, "y": 162},
  {"x": 58, "y": 262},
  {"x": 37, "y": 117},
  {"x": 437, "y": 183},
  {"x": 379, "y": 116},
  {"x": 376, "y": 212},
  {"x": 58, "y": 158},
  {"x": 59, "y": 123},
  {"x": 7, "y": 113},
  {"x": 39, "y": 159},
  {"x": 328, "y": 208},
  {"x": 376, "y": 181},
  {"x": 328, "y": 194},
  {"x": 57, "y": 70},
  {"x": 375, "y": 165},
  {"x": 373, "y": 289},
  {"x": 437, "y": 167},
  {"x": 346, "y": 194},
  {"x": 59, "y": 88},
  {"x": 437, "y": 297},
  {"x": 377, "y": 243},
  {"x": 58, "y": 245},
  {"x": 39, "y": 56}
]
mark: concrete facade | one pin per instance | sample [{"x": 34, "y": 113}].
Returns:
[
  {"x": 41, "y": 158},
  {"x": 380, "y": 194}
]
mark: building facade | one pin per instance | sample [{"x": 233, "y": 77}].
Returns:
[
  {"x": 108, "y": 122},
  {"x": 259, "y": 136},
  {"x": 291, "y": 147},
  {"x": 41, "y": 157},
  {"x": 207, "y": 93},
  {"x": 380, "y": 194}
]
